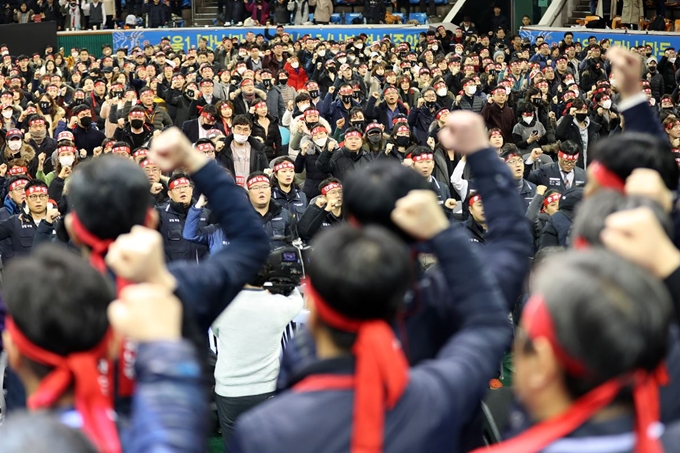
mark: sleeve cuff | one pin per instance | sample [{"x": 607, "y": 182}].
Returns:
[{"x": 632, "y": 101}]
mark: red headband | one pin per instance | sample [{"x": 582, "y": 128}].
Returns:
[
  {"x": 318, "y": 129},
  {"x": 18, "y": 171},
  {"x": 539, "y": 324},
  {"x": 260, "y": 104},
  {"x": 256, "y": 179},
  {"x": 672, "y": 124},
  {"x": 208, "y": 116},
  {"x": 474, "y": 199},
  {"x": 311, "y": 112},
  {"x": 179, "y": 182},
  {"x": 137, "y": 114},
  {"x": 422, "y": 157},
  {"x": 17, "y": 183},
  {"x": 352, "y": 134},
  {"x": 205, "y": 147},
  {"x": 37, "y": 122},
  {"x": 551, "y": 199},
  {"x": 79, "y": 370},
  {"x": 121, "y": 149},
  {"x": 381, "y": 375},
  {"x": 146, "y": 162},
  {"x": 99, "y": 83},
  {"x": 36, "y": 189},
  {"x": 330, "y": 186},
  {"x": 496, "y": 133},
  {"x": 442, "y": 113},
  {"x": 140, "y": 152},
  {"x": 282, "y": 165},
  {"x": 565, "y": 156},
  {"x": 606, "y": 178},
  {"x": 66, "y": 149}
]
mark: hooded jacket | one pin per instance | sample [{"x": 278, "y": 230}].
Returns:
[{"x": 341, "y": 161}]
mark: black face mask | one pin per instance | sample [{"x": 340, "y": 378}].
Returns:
[
  {"x": 283, "y": 81},
  {"x": 581, "y": 117},
  {"x": 190, "y": 93},
  {"x": 403, "y": 141},
  {"x": 330, "y": 69},
  {"x": 267, "y": 82},
  {"x": 311, "y": 126},
  {"x": 44, "y": 105},
  {"x": 360, "y": 124},
  {"x": 652, "y": 69},
  {"x": 356, "y": 94},
  {"x": 118, "y": 94},
  {"x": 314, "y": 93},
  {"x": 536, "y": 101},
  {"x": 78, "y": 101},
  {"x": 346, "y": 99},
  {"x": 430, "y": 104},
  {"x": 86, "y": 121},
  {"x": 375, "y": 138},
  {"x": 207, "y": 127},
  {"x": 136, "y": 124}
]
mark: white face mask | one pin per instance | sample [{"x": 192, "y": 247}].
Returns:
[
  {"x": 240, "y": 138},
  {"x": 471, "y": 90},
  {"x": 606, "y": 104},
  {"x": 672, "y": 60},
  {"x": 322, "y": 53},
  {"x": 321, "y": 142},
  {"x": 7, "y": 113},
  {"x": 441, "y": 92},
  {"x": 575, "y": 92},
  {"x": 241, "y": 69},
  {"x": 14, "y": 145},
  {"x": 66, "y": 161},
  {"x": 303, "y": 107},
  {"x": 359, "y": 46},
  {"x": 295, "y": 65},
  {"x": 435, "y": 48},
  {"x": 527, "y": 119},
  {"x": 507, "y": 90},
  {"x": 342, "y": 60}
]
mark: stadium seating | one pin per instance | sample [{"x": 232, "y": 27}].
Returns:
[
  {"x": 336, "y": 18},
  {"x": 349, "y": 18},
  {"x": 420, "y": 17}
]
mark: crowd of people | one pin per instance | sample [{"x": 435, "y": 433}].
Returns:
[{"x": 460, "y": 195}]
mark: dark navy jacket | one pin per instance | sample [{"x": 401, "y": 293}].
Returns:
[
  {"x": 442, "y": 393},
  {"x": 294, "y": 201},
  {"x": 172, "y": 217},
  {"x": 20, "y": 228},
  {"x": 550, "y": 176}
]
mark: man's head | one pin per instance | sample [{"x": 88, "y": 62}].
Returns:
[
  {"x": 151, "y": 169},
  {"x": 513, "y": 159},
  {"x": 121, "y": 149},
  {"x": 423, "y": 160},
  {"x": 259, "y": 190},
  {"x": 593, "y": 317},
  {"x": 499, "y": 96},
  {"x": 16, "y": 189},
  {"x": 353, "y": 139},
  {"x": 241, "y": 129},
  {"x": 567, "y": 155},
  {"x": 476, "y": 207},
  {"x": 36, "y": 196},
  {"x": 180, "y": 189},
  {"x": 84, "y": 115}
]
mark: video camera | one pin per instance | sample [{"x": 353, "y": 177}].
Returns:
[{"x": 284, "y": 270}]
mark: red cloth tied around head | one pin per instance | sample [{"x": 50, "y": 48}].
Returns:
[
  {"x": 80, "y": 370},
  {"x": 98, "y": 246},
  {"x": 606, "y": 178},
  {"x": 381, "y": 374},
  {"x": 539, "y": 324}
]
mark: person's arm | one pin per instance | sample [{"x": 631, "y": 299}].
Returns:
[
  {"x": 43, "y": 234},
  {"x": 509, "y": 243},
  {"x": 56, "y": 188},
  {"x": 370, "y": 107},
  {"x": 190, "y": 232},
  {"x": 457, "y": 181},
  {"x": 324, "y": 162},
  {"x": 6, "y": 228},
  {"x": 300, "y": 162},
  {"x": 562, "y": 130},
  {"x": 311, "y": 222}
]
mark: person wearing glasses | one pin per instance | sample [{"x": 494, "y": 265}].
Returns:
[
  {"x": 279, "y": 223},
  {"x": 21, "y": 228},
  {"x": 513, "y": 158}
]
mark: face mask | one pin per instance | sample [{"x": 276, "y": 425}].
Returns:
[
  {"x": 314, "y": 93},
  {"x": 267, "y": 82},
  {"x": 14, "y": 145},
  {"x": 441, "y": 92},
  {"x": 331, "y": 69},
  {"x": 356, "y": 94},
  {"x": 7, "y": 114},
  {"x": 359, "y": 46},
  {"x": 346, "y": 99},
  {"x": 191, "y": 93},
  {"x": 39, "y": 135},
  {"x": 342, "y": 60},
  {"x": 581, "y": 116},
  {"x": 375, "y": 138},
  {"x": 78, "y": 101},
  {"x": 240, "y": 138},
  {"x": 207, "y": 127},
  {"x": 118, "y": 94},
  {"x": 322, "y": 53},
  {"x": 295, "y": 65},
  {"x": 66, "y": 161},
  {"x": 430, "y": 104},
  {"x": 672, "y": 60},
  {"x": 435, "y": 48},
  {"x": 321, "y": 142},
  {"x": 136, "y": 124},
  {"x": 360, "y": 124},
  {"x": 303, "y": 107},
  {"x": 652, "y": 69},
  {"x": 241, "y": 70},
  {"x": 507, "y": 91},
  {"x": 606, "y": 104},
  {"x": 86, "y": 121},
  {"x": 575, "y": 92},
  {"x": 44, "y": 105},
  {"x": 471, "y": 90},
  {"x": 283, "y": 81},
  {"x": 403, "y": 141},
  {"x": 527, "y": 119}
]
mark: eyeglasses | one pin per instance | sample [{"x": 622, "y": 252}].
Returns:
[
  {"x": 38, "y": 197},
  {"x": 517, "y": 161},
  {"x": 261, "y": 188}
]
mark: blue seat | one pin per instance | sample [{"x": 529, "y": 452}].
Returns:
[
  {"x": 180, "y": 23},
  {"x": 214, "y": 21},
  {"x": 399, "y": 15},
  {"x": 420, "y": 17},
  {"x": 285, "y": 135},
  {"x": 349, "y": 17},
  {"x": 336, "y": 18},
  {"x": 311, "y": 17}
]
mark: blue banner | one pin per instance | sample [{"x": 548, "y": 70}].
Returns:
[
  {"x": 186, "y": 38},
  {"x": 659, "y": 41}
]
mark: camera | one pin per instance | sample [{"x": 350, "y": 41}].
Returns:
[{"x": 284, "y": 270}]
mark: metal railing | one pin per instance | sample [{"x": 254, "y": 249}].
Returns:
[{"x": 556, "y": 14}]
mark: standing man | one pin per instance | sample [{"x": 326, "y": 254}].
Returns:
[
  {"x": 21, "y": 228},
  {"x": 278, "y": 222},
  {"x": 498, "y": 114},
  {"x": 561, "y": 175}
]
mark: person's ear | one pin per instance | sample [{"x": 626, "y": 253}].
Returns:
[
  {"x": 13, "y": 354},
  {"x": 152, "y": 219}
]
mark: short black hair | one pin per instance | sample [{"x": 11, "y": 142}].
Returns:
[
  {"x": 569, "y": 147},
  {"x": 327, "y": 181},
  {"x": 623, "y": 153},
  {"x": 80, "y": 108},
  {"x": 371, "y": 193},
  {"x": 66, "y": 311},
  {"x": 136, "y": 108},
  {"x": 211, "y": 110},
  {"x": 118, "y": 184},
  {"x": 241, "y": 120},
  {"x": 35, "y": 183}
]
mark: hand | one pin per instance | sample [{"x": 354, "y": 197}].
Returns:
[
  {"x": 171, "y": 150},
  {"x": 536, "y": 154},
  {"x": 626, "y": 70},
  {"x": 41, "y": 160},
  {"x": 420, "y": 102},
  {"x": 202, "y": 202},
  {"x": 97, "y": 151},
  {"x": 268, "y": 171},
  {"x": 72, "y": 122},
  {"x": 600, "y": 111},
  {"x": 572, "y": 112},
  {"x": 450, "y": 203},
  {"x": 321, "y": 201},
  {"x": 146, "y": 313},
  {"x": 232, "y": 96},
  {"x": 541, "y": 190},
  {"x": 339, "y": 123},
  {"x": 52, "y": 215},
  {"x": 389, "y": 147},
  {"x": 290, "y": 105},
  {"x": 407, "y": 163},
  {"x": 156, "y": 188},
  {"x": 3, "y": 170},
  {"x": 303, "y": 149},
  {"x": 637, "y": 236},
  {"x": 647, "y": 183},
  {"x": 83, "y": 154},
  {"x": 65, "y": 172},
  {"x": 431, "y": 143},
  {"x": 376, "y": 95},
  {"x": 465, "y": 132},
  {"x": 419, "y": 215},
  {"x": 138, "y": 256},
  {"x": 551, "y": 115}
]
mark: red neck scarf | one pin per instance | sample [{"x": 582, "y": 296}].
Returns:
[
  {"x": 80, "y": 370},
  {"x": 538, "y": 320},
  {"x": 380, "y": 378}
]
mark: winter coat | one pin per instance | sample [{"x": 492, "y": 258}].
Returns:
[
  {"x": 281, "y": 14},
  {"x": 271, "y": 138},
  {"x": 342, "y": 161},
  {"x": 503, "y": 119},
  {"x": 323, "y": 11},
  {"x": 297, "y": 78},
  {"x": 259, "y": 15}
]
